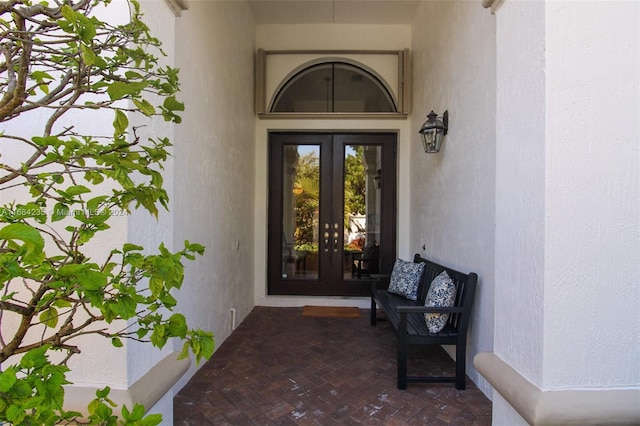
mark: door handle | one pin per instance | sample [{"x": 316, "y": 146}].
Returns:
[
  {"x": 326, "y": 237},
  {"x": 336, "y": 235}
]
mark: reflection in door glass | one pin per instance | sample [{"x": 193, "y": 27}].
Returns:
[
  {"x": 301, "y": 201},
  {"x": 362, "y": 180}
]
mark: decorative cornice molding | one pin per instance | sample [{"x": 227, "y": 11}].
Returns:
[
  {"x": 177, "y": 6},
  {"x": 493, "y": 4}
]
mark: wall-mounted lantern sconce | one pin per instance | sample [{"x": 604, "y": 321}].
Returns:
[
  {"x": 376, "y": 179},
  {"x": 433, "y": 130}
]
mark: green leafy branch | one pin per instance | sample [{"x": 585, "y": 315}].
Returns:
[{"x": 61, "y": 60}]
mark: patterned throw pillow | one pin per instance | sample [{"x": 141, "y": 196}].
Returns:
[
  {"x": 442, "y": 294},
  {"x": 405, "y": 278}
]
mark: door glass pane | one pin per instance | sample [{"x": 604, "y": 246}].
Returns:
[
  {"x": 362, "y": 207},
  {"x": 301, "y": 202}
]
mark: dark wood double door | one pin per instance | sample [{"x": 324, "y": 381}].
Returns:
[{"x": 332, "y": 212}]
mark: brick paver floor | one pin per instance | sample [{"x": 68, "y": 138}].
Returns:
[{"x": 278, "y": 368}]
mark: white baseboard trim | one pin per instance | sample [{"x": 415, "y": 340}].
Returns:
[
  {"x": 562, "y": 407},
  {"x": 148, "y": 390}
]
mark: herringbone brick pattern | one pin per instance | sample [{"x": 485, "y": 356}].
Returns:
[{"x": 278, "y": 368}]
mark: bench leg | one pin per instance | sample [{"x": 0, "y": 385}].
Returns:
[
  {"x": 461, "y": 361},
  {"x": 402, "y": 353},
  {"x": 373, "y": 311}
]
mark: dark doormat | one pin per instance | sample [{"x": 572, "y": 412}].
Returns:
[{"x": 330, "y": 312}]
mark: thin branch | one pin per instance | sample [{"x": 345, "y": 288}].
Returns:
[
  {"x": 12, "y": 307},
  {"x": 15, "y": 97}
]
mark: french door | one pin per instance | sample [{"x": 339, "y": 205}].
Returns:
[{"x": 332, "y": 210}]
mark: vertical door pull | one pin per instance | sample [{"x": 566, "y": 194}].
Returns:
[{"x": 326, "y": 237}]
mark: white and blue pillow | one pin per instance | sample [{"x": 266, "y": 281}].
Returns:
[
  {"x": 405, "y": 278},
  {"x": 441, "y": 294}
]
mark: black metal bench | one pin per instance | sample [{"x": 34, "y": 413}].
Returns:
[{"x": 407, "y": 318}]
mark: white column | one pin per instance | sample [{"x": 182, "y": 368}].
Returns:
[{"x": 567, "y": 328}]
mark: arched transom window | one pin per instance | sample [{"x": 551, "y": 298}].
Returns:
[
  {"x": 367, "y": 84},
  {"x": 334, "y": 87}
]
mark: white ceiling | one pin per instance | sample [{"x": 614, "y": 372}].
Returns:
[{"x": 333, "y": 11}]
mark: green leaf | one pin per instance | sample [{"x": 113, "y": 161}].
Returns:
[
  {"x": 116, "y": 342},
  {"x": 131, "y": 247},
  {"x": 92, "y": 280},
  {"x": 7, "y": 379},
  {"x": 94, "y": 177},
  {"x": 88, "y": 56},
  {"x": 33, "y": 241},
  {"x": 60, "y": 211},
  {"x": 61, "y": 303},
  {"x": 40, "y": 76},
  {"x": 172, "y": 104},
  {"x": 151, "y": 420},
  {"x": 156, "y": 285},
  {"x": 15, "y": 414},
  {"x": 103, "y": 393},
  {"x": 184, "y": 353},
  {"x": 44, "y": 87},
  {"x": 120, "y": 123},
  {"x": 49, "y": 317},
  {"x": 103, "y": 412},
  {"x": 95, "y": 203},
  {"x": 47, "y": 141},
  {"x": 21, "y": 389},
  {"x": 145, "y": 107},
  {"x": 158, "y": 337},
  {"x": 93, "y": 406},
  {"x": 168, "y": 300},
  {"x": 133, "y": 416},
  {"x": 77, "y": 190},
  {"x": 208, "y": 344},
  {"x": 132, "y": 75},
  {"x": 78, "y": 23},
  {"x": 119, "y": 89},
  {"x": 195, "y": 247},
  {"x": 126, "y": 307},
  {"x": 35, "y": 358},
  {"x": 178, "y": 326}
]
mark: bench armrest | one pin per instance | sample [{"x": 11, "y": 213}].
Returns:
[
  {"x": 428, "y": 310},
  {"x": 380, "y": 277}
]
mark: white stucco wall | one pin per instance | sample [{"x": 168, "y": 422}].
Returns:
[
  {"x": 592, "y": 226},
  {"x": 520, "y": 199},
  {"x": 519, "y": 298},
  {"x": 214, "y": 163},
  {"x": 568, "y": 195},
  {"x": 453, "y": 191},
  {"x": 326, "y": 37}
]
